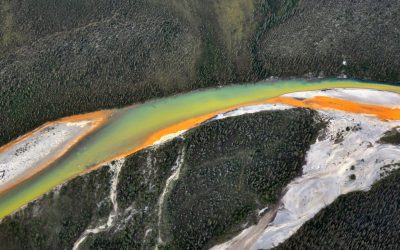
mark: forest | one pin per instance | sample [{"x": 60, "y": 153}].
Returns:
[
  {"x": 360, "y": 220},
  {"x": 226, "y": 177},
  {"x": 64, "y": 57},
  {"x": 60, "y": 58}
]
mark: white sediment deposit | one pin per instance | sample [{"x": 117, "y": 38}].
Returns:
[
  {"x": 349, "y": 149},
  {"x": 346, "y": 157},
  {"x": 115, "y": 168},
  {"x": 375, "y": 97},
  {"x": 31, "y": 152},
  {"x": 252, "y": 109}
]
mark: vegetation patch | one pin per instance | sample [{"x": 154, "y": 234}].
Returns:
[
  {"x": 233, "y": 167},
  {"x": 69, "y": 57},
  {"x": 58, "y": 219},
  {"x": 391, "y": 137},
  {"x": 229, "y": 169},
  {"x": 10, "y": 38},
  {"x": 359, "y": 220}
]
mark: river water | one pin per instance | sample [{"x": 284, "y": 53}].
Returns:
[{"x": 136, "y": 127}]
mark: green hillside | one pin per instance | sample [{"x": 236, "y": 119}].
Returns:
[{"x": 65, "y": 57}]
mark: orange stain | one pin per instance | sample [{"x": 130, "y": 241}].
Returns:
[
  {"x": 151, "y": 139},
  {"x": 325, "y": 102},
  {"x": 317, "y": 102},
  {"x": 97, "y": 118}
]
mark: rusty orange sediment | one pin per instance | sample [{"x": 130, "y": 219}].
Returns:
[
  {"x": 151, "y": 139},
  {"x": 184, "y": 125},
  {"x": 100, "y": 117},
  {"x": 96, "y": 119},
  {"x": 317, "y": 103},
  {"x": 135, "y": 129},
  {"x": 324, "y": 102}
]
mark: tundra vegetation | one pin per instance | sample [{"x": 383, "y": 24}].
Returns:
[
  {"x": 229, "y": 169},
  {"x": 359, "y": 220},
  {"x": 391, "y": 137},
  {"x": 59, "y": 58}
]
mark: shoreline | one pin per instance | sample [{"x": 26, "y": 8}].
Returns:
[
  {"x": 94, "y": 120},
  {"x": 143, "y": 137}
]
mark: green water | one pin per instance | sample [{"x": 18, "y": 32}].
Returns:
[{"x": 130, "y": 127}]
